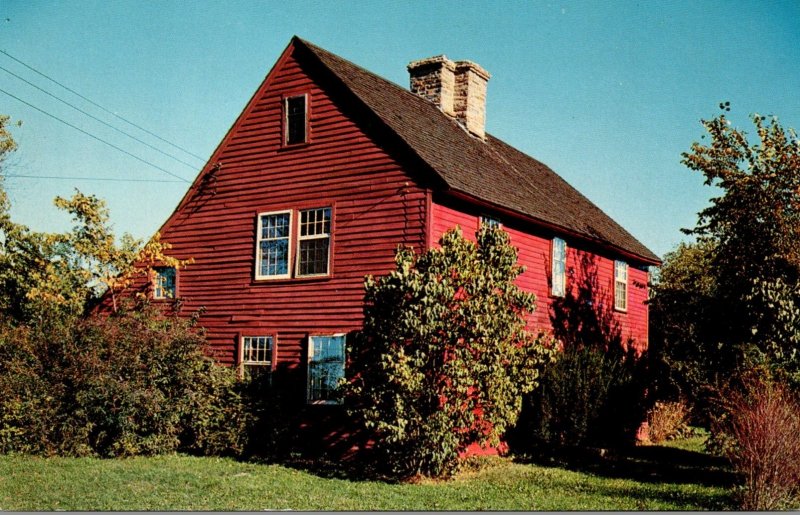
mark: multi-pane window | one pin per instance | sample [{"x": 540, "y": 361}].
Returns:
[
  {"x": 490, "y": 221},
  {"x": 274, "y": 231},
  {"x": 164, "y": 282},
  {"x": 295, "y": 117},
  {"x": 256, "y": 354},
  {"x": 314, "y": 241},
  {"x": 559, "y": 268},
  {"x": 325, "y": 368},
  {"x": 621, "y": 285}
]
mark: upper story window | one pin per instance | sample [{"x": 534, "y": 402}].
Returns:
[
  {"x": 490, "y": 221},
  {"x": 620, "y": 285},
  {"x": 559, "y": 268},
  {"x": 164, "y": 282},
  {"x": 314, "y": 241},
  {"x": 325, "y": 368},
  {"x": 274, "y": 232},
  {"x": 256, "y": 355},
  {"x": 295, "y": 117},
  {"x": 278, "y": 239}
]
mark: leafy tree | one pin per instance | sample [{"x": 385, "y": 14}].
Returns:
[
  {"x": 685, "y": 352},
  {"x": 130, "y": 383},
  {"x": 755, "y": 224},
  {"x": 46, "y": 272},
  {"x": 444, "y": 357},
  {"x": 732, "y": 300}
]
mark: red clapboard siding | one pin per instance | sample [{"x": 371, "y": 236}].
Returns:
[
  {"x": 534, "y": 247},
  {"x": 376, "y": 206}
]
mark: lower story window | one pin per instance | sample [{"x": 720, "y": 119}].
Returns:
[
  {"x": 325, "y": 368},
  {"x": 256, "y": 355}
]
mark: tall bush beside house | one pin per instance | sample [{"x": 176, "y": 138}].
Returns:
[
  {"x": 444, "y": 356},
  {"x": 589, "y": 397}
]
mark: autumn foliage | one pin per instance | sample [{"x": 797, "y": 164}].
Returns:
[{"x": 760, "y": 434}]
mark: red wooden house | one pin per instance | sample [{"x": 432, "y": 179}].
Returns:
[{"x": 329, "y": 168}]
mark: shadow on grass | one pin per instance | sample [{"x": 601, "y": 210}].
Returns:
[{"x": 646, "y": 464}]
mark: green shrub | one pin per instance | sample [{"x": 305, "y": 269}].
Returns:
[
  {"x": 444, "y": 357},
  {"x": 129, "y": 384},
  {"x": 588, "y": 397}
]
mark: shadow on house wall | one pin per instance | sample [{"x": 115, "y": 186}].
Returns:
[{"x": 584, "y": 317}]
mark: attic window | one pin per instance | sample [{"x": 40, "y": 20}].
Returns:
[{"x": 295, "y": 116}]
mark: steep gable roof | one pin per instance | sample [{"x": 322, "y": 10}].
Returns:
[{"x": 491, "y": 170}]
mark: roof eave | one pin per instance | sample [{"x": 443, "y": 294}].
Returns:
[{"x": 615, "y": 249}]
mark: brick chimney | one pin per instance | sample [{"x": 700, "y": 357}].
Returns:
[
  {"x": 434, "y": 80},
  {"x": 469, "y": 101},
  {"x": 457, "y": 88}
]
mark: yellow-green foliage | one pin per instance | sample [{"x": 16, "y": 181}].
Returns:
[{"x": 444, "y": 357}]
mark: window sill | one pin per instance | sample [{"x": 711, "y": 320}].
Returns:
[
  {"x": 285, "y": 147},
  {"x": 162, "y": 300},
  {"x": 289, "y": 280},
  {"x": 328, "y": 404}
]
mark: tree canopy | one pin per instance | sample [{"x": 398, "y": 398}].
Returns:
[{"x": 731, "y": 300}]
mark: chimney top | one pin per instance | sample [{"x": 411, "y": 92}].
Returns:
[{"x": 457, "y": 88}]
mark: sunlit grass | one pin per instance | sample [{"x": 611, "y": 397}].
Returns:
[{"x": 190, "y": 483}]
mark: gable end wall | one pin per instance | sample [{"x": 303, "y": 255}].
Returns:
[{"x": 376, "y": 206}]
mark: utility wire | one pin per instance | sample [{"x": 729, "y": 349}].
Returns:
[
  {"x": 101, "y": 107},
  {"x": 193, "y": 167},
  {"x": 93, "y": 136},
  {"x": 110, "y": 179}
]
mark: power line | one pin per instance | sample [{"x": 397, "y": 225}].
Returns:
[
  {"x": 101, "y": 107},
  {"x": 110, "y": 179},
  {"x": 93, "y": 136},
  {"x": 193, "y": 167}
]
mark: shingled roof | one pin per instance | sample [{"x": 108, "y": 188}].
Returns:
[{"x": 488, "y": 170}]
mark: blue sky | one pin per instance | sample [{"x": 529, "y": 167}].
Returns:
[{"x": 606, "y": 93}]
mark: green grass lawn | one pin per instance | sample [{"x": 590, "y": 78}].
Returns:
[{"x": 685, "y": 482}]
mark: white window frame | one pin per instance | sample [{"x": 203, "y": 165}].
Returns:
[
  {"x": 301, "y": 238},
  {"x": 247, "y": 361},
  {"x": 289, "y": 246},
  {"x": 558, "y": 274},
  {"x": 620, "y": 283},
  {"x": 158, "y": 288},
  {"x": 286, "y": 100},
  {"x": 491, "y": 221},
  {"x": 309, "y": 400}
]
